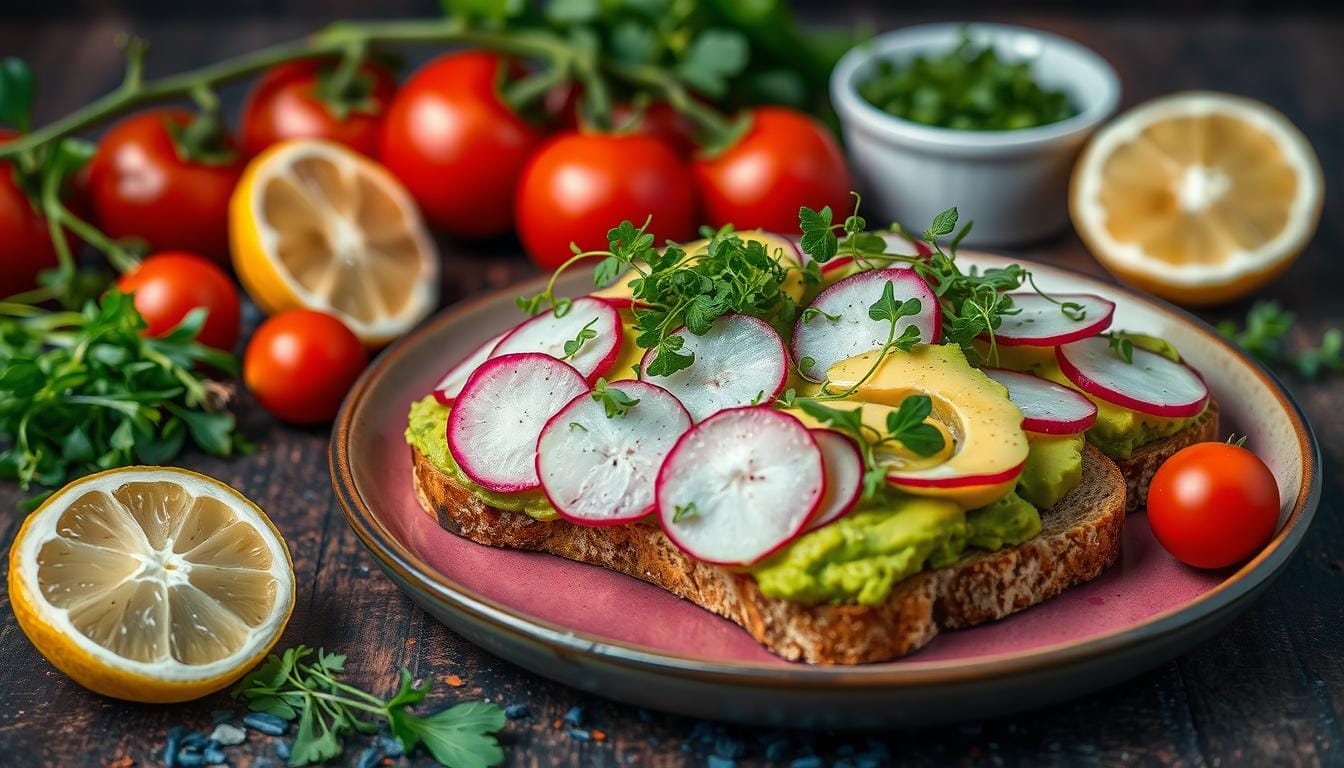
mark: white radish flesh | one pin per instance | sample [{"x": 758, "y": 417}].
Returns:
[
  {"x": 843, "y": 464},
  {"x": 740, "y": 485},
  {"x": 1043, "y": 322},
  {"x": 448, "y": 388},
  {"x": 1047, "y": 408},
  {"x": 1151, "y": 384},
  {"x": 739, "y": 361},
  {"x": 495, "y": 423},
  {"x": 547, "y": 334},
  {"x": 820, "y": 341},
  {"x": 600, "y": 470}
]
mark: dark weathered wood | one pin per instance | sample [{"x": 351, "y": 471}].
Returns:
[{"x": 1268, "y": 689}]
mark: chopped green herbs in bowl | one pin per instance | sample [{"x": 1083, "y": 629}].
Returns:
[{"x": 969, "y": 88}]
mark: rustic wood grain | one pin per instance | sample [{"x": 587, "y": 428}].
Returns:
[{"x": 1269, "y": 689}]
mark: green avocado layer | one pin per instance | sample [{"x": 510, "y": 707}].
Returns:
[{"x": 427, "y": 430}]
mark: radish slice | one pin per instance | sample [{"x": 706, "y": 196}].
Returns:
[
  {"x": 740, "y": 485},
  {"x": 600, "y": 470},
  {"x": 547, "y": 334},
  {"x": 820, "y": 342},
  {"x": 1043, "y": 323},
  {"x": 448, "y": 388},
  {"x": 495, "y": 423},
  {"x": 1152, "y": 384},
  {"x": 1047, "y": 408},
  {"x": 843, "y": 463},
  {"x": 740, "y": 361}
]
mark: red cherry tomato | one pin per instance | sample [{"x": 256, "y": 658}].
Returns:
[
  {"x": 142, "y": 188},
  {"x": 300, "y": 364},
  {"x": 284, "y": 104},
  {"x": 169, "y": 285},
  {"x": 659, "y": 119},
  {"x": 580, "y": 185},
  {"x": 456, "y": 146},
  {"x": 1212, "y": 505},
  {"x": 784, "y": 161},
  {"x": 25, "y": 242}
]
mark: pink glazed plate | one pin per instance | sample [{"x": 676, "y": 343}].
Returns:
[{"x": 616, "y": 636}]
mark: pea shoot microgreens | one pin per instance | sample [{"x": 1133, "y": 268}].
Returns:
[
  {"x": 614, "y": 402},
  {"x": 297, "y": 685}
]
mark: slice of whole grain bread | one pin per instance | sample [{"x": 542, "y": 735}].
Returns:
[
  {"x": 1080, "y": 537},
  {"x": 1139, "y": 467}
]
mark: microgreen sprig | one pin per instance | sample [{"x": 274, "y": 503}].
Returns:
[
  {"x": 1265, "y": 336},
  {"x": 905, "y": 426},
  {"x": 298, "y": 686},
  {"x": 614, "y": 402}
]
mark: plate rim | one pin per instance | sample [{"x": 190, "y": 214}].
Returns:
[{"x": 492, "y": 615}]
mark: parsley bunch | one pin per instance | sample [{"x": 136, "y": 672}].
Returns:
[
  {"x": 296, "y": 686},
  {"x": 1265, "y": 336},
  {"x": 86, "y": 391}
]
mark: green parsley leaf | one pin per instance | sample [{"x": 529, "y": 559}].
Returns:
[
  {"x": 614, "y": 402},
  {"x": 942, "y": 225},
  {"x": 585, "y": 335},
  {"x": 819, "y": 239},
  {"x": 714, "y": 57}
]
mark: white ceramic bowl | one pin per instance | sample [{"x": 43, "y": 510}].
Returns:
[{"x": 1013, "y": 184}]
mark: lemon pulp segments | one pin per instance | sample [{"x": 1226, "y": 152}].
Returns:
[{"x": 151, "y": 584}]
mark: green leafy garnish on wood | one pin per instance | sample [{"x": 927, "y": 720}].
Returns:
[
  {"x": 1265, "y": 336},
  {"x": 297, "y": 686},
  {"x": 85, "y": 391}
]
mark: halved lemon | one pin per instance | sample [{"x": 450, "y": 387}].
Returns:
[
  {"x": 1197, "y": 197},
  {"x": 151, "y": 583},
  {"x": 314, "y": 225}
]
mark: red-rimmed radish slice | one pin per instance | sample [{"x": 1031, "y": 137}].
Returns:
[
  {"x": 600, "y": 470},
  {"x": 1047, "y": 408},
  {"x": 1151, "y": 384},
  {"x": 547, "y": 334},
  {"x": 820, "y": 342},
  {"x": 740, "y": 485},
  {"x": 843, "y": 464},
  {"x": 740, "y": 361},
  {"x": 495, "y": 423},
  {"x": 943, "y": 476},
  {"x": 1043, "y": 323},
  {"x": 448, "y": 388}
]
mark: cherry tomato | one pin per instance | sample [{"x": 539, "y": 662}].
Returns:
[
  {"x": 580, "y": 185},
  {"x": 784, "y": 161},
  {"x": 1212, "y": 505},
  {"x": 659, "y": 119},
  {"x": 456, "y": 146},
  {"x": 284, "y": 104},
  {"x": 141, "y": 187},
  {"x": 25, "y": 243},
  {"x": 300, "y": 364},
  {"x": 169, "y": 285}
]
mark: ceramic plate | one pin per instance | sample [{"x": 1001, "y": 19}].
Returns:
[{"x": 607, "y": 633}]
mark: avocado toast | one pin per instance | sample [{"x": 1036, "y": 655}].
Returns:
[{"x": 835, "y": 453}]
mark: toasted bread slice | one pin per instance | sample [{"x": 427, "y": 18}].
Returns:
[
  {"x": 1139, "y": 467},
  {"x": 1079, "y": 538}
]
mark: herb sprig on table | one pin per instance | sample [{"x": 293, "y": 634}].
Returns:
[
  {"x": 1265, "y": 336},
  {"x": 304, "y": 685},
  {"x": 85, "y": 391}
]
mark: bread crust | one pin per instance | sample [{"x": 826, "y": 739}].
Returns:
[
  {"x": 1139, "y": 467},
  {"x": 1080, "y": 537}
]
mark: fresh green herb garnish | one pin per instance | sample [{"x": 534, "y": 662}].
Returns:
[
  {"x": 585, "y": 335},
  {"x": 905, "y": 426},
  {"x": 1121, "y": 346},
  {"x": 1265, "y": 337},
  {"x": 576, "y": 426},
  {"x": 85, "y": 391},
  {"x": 684, "y": 512},
  {"x": 295, "y": 686},
  {"x": 676, "y": 289},
  {"x": 614, "y": 401},
  {"x": 968, "y": 88}
]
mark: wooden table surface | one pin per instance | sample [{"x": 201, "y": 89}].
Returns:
[{"x": 1270, "y": 688}]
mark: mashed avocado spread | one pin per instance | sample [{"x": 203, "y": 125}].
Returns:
[
  {"x": 862, "y": 556},
  {"x": 427, "y": 430}
]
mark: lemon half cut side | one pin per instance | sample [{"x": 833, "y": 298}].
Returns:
[
  {"x": 151, "y": 584},
  {"x": 1198, "y": 197}
]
